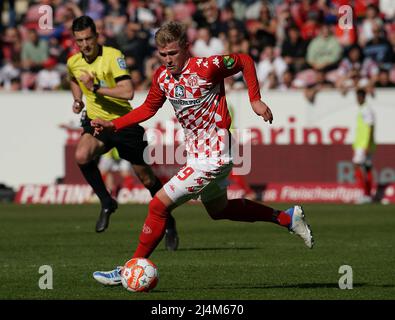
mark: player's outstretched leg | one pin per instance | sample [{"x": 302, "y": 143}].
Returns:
[
  {"x": 251, "y": 211},
  {"x": 109, "y": 278}
]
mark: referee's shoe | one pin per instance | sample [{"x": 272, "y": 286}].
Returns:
[{"x": 104, "y": 218}]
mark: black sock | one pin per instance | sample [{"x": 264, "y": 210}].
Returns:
[
  {"x": 156, "y": 187},
  {"x": 93, "y": 177}
]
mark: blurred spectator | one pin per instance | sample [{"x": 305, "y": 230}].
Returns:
[
  {"x": 48, "y": 78},
  {"x": 235, "y": 42},
  {"x": 137, "y": 80},
  {"x": 229, "y": 21},
  {"x": 307, "y": 16},
  {"x": 115, "y": 16},
  {"x": 133, "y": 42},
  {"x": 206, "y": 45},
  {"x": 11, "y": 13},
  {"x": 354, "y": 66},
  {"x": 34, "y": 51},
  {"x": 320, "y": 83},
  {"x": 383, "y": 80},
  {"x": 285, "y": 22},
  {"x": 16, "y": 84},
  {"x": 379, "y": 49},
  {"x": 56, "y": 51},
  {"x": 371, "y": 20},
  {"x": 151, "y": 64},
  {"x": 324, "y": 51},
  {"x": 12, "y": 44},
  {"x": 387, "y": 8},
  {"x": 287, "y": 81},
  {"x": 262, "y": 31},
  {"x": 270, "y": 68},
  {"x": 9, "y": 72},
  {"x": 94, "y": 9},
  {"x": 103, "y": 38},
  {"x": 247, "y": 26},
  {"x": 294, "y": 50},
  {"x": 208, "y": 15}
]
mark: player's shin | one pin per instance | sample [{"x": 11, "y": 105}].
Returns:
[
  {"x": 153, "y": 229},
  {"x": 251, "y": 211},
  {"x": 93, "y": 176}
]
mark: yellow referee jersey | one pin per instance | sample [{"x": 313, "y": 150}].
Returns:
[{"x": 109, "y": 67}]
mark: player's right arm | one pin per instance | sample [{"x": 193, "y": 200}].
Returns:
[
  {"x": 154, "y": 101},
  {"x": 76, "y": 91}
]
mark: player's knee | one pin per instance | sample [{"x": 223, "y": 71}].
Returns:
[
  {"x": 81, "y": 156},
  {"x": 216, "y": 209},
  {"x": 216, "y": 212},
  {"x": 216, "y": 215},
  {"x": 147, "y": 180}
]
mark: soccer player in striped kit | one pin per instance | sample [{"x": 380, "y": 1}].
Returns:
[{"x": 195, "y": 88}]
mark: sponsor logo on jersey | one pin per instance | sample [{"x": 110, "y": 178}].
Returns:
[
  {"x": 179, "y": 91},
  {"x": 229, "y": 62},
  {"x": 121, "y": 63},
  {"x": 183, "y": 102}
]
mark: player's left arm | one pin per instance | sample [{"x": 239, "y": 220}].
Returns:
[{"x": 220, "y": 67}]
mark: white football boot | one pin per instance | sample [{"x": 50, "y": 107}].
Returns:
[
  {"x": 109, "y": 278},
  {"x": 299, "y": 226}
]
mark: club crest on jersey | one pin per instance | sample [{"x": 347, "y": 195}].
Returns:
[
  {"x": 121, "y": 63},
  {"x": 193, "y": 81},
  {"x": 229, "y": 62},
  {"x": 179, "y": 91}
]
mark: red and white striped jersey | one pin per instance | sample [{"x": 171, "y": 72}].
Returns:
[{"x": 197, "y": 95}]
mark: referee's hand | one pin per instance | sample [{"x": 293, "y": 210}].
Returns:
[
  {"x": 78, "y": 105},
  {"x": 100, "y": 125}
]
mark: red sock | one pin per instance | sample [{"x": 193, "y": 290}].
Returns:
[
  {"x": 251, "y": 211},
  {"x": 153, "y": 230},
  {"x": 359, "y": 177},
  {"x": 368, "y": 182}
]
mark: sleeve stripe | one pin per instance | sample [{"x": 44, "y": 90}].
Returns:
[{"x": 124, "y": 77}]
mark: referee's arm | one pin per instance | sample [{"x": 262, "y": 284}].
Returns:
[{"x": 123, "y": 89}]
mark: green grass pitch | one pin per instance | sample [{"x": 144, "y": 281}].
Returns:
[{"x": 216, "y": 259}]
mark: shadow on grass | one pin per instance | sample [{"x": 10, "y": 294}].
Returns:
[
  {"x": 217, "y": 249},
  {"x": 326, "y": 285}
]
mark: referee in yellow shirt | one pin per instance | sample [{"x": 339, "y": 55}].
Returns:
[{"x": 100, "y": 73}]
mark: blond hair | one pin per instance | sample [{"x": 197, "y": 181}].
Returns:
[{"x": 170, "y": 32}]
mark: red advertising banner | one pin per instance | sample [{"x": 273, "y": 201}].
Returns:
[{"x": 273, "y": 192}]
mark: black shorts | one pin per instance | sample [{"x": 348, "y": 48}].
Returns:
[{"x": 129, "y": 142}]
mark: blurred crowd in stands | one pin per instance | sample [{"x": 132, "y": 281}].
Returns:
[{"x": 295, "y": 44}]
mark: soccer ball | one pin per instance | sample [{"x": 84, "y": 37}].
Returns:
[{"x": 139, "y": 275}]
